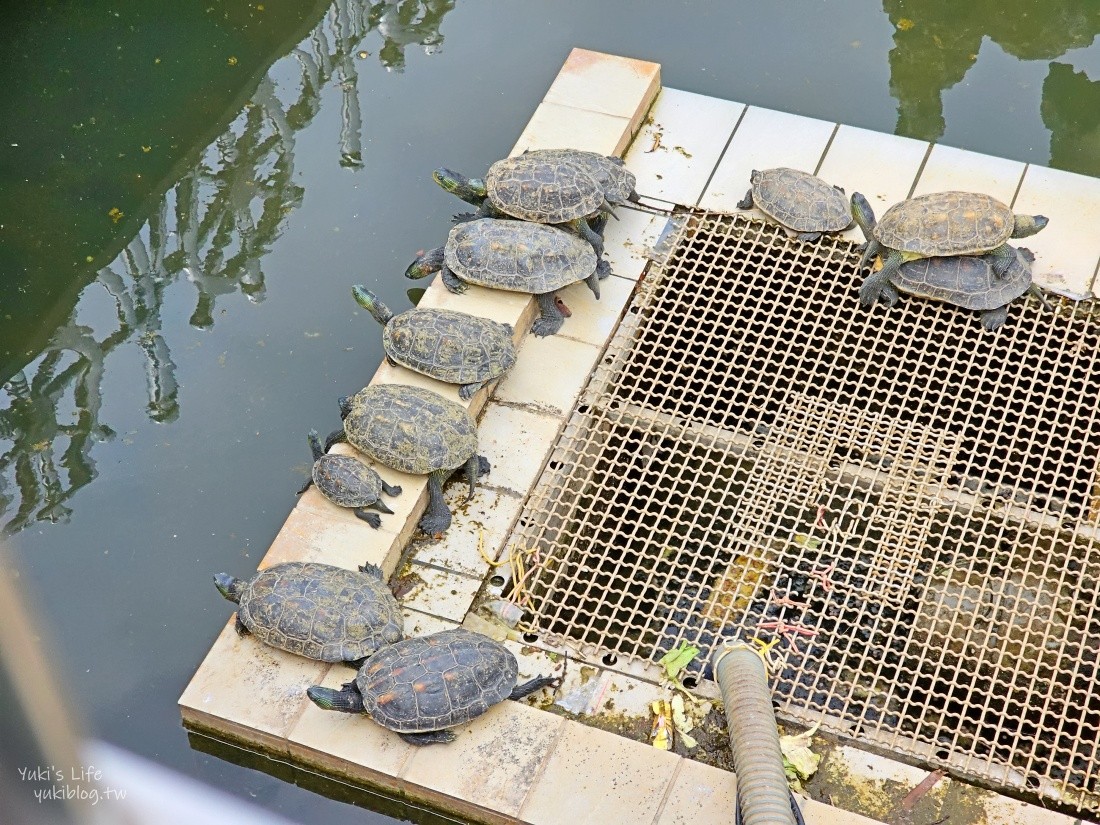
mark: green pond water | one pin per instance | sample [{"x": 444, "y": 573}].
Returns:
[{"x": 188, "y": 191}]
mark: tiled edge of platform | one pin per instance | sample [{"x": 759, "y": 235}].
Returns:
[{"x": 534, "y": 766}]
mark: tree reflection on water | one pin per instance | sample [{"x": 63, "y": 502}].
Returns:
[
  {"x": 937, "y": 41},
  {"x": 212, "y": 229}
]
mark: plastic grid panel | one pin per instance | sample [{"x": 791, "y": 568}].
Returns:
[{"x": 907, "y": 502}]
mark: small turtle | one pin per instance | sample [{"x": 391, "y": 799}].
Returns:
[
  {"x": 316, "y": 610},
  {"x": 942, "y": 224},
  {"x": 537, "y": 189},
  {"x": 518, "y": 257},
  {"x": 798, "y": 201},
  {"x": 966, "y": 281},
  {"x": 420, "y": 687},
  {"x": 348, "y": 482},
  {"x": 416, "y": 431},
  {"x": 449, "y": 346}
]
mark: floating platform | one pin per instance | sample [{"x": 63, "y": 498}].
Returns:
[{"x": 522, "y": 761}]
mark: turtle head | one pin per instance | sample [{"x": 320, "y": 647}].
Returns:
[
  {"x": 1028, "y": 225},
  {"x": 471, "y": 190},
  {"x": 425, "y": 264},
  {"x": 348, "y": 699},
  {"x": 229, "y": 587},
  {"x": 371, "y": 303},
  {"x": 863, "y": 214},
  {"x": 754, "y": 178}
]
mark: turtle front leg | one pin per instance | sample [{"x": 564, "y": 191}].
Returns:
[
  {"x": 239, "y": 626},
  {"x": 1001, "y": 259},
  {"x": 889, "y": 294},
  {"x": 306, "y": 486},
  {"x": 870, "y": 249},
  {"x": 373, "y": 519},
  {"x": 452, "y": 281},
  {"x": 477, "y": 466},
  {"x": 550, "y": 318},
  {"x": 334, "y": 438},
  {"x": 437, "y": 517},
  {"x": 876, "y": 282},
  {"x": 431, "y": 737},
  {"x": 746, "y": 202},
  {"x": 807, "y": 236},
  {"x": 993, "y": 318},
  {"x": 391, "y": 490},
  {"x": 580, "y": 227}
]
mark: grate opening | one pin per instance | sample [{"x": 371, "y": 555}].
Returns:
[{"x": 907, "y": 502}]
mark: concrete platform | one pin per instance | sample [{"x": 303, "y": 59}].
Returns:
[{"x": 521, "y": 762}]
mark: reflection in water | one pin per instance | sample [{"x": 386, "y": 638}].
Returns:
[
  {"x": 214, "y": 228},
  {"x": 937, "y": 41},
  {"x": 1071, "y": 110}
]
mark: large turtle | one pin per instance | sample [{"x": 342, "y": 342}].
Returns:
[
  {"x": 798, "y": 201},
  {"x": 316, "y": 610},
  {"x": 942, "y": 224},
  {"x": 348, "y": 482},
  {"x": 616, "y": 181},
  {"x": 420, "y": 687},
  {"x": 416, "y": 431},
  {"x": 514, "y": 256},
  {"x": 535, "y": 188},
  {"x": 449, "y": 346},
  {"x": 963, "y": 280}
]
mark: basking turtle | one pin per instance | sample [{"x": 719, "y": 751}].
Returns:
[
  {"x": 348, "y": 482},
  {"x": 533, "y": 188},
  {"x": 798, "y": 201},
  {"x": 941, "y": 224},
  {"x": 420, "y": 687},
  {"x": 609, "y": 171},
  {"x": 316, "y": 610},
  {"x": 963, "y": 280},
  {"x": 449, "y": 346},
  {"x": 415, "y": 431},
  {"x": 517, "y": 257}
]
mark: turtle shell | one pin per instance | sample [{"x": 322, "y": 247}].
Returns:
[
  {"x": 320, "y": 611},
  {"x": 438, "y": 681},
  {"x": 410, "y": 429},
  {"x": 533, "y": 189},
  {"x": 517, "y": 256},
  {"x": 451, "y": 346},
  {"x": 346, "y": 481},
  {"x": 965, "y": 281},
  {"x": 616, "y": 181},
  {"x": 946, "y": 223},
  {"x": 800, "y": 201}
]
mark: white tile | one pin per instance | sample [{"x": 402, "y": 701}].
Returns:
[
  {"x": 605, "y": 83},
  {"x": 629, "y": 241},
  {"x": 881, "y": 167},
  {"x": 439, "y": 592},
  {"x": 679, "y": 144},
  {"x": 487, "y": 519},
  {"x": 422, "y": 624},
  {"x": 594, "y": 321},
  {"x": 550, "y": 372},
  {"x": 1068, "y": 249},
  {"x": 516, "y": 442},
  {"x": 515, "y": 308},
  {"x": 950, "y": 169},
  {"x": 554, "y": 126},
  {"x": 765, "y": 139}
]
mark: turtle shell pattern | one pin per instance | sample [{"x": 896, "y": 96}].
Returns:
[
  {"x": 533, "y": 189},
  {"x": 346, "y": 481},
  {"x": 437, "y": 681},
  {"x": 410, "y": 429},
  {"x": 452, "y": 346},
  {"x": 616, "y": 181},
  {"x": 517, "y": 256},
  {"x": 800, "y": 201},
  {"x": 320, "y": 611},
  {"x": 946, "y": 223},
  {"x": 965, "y": 281}
]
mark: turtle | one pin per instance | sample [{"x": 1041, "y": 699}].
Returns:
[
  {"x": 798, "y": 201},
  {"x": 420, "y": 687},
  {"x": 515, "y": 256},
  {"x": 941, "y": 224},
  {"x": 316, "y": 610},
  {"x": 534, "y": 188},
  {"x": 348, "y": 482},
  {"x": 609, "y": 171},
  {"x": 449, "y": 346},
  {"x": 416, "y": 431},
  {"x": 963, "y": 280}
]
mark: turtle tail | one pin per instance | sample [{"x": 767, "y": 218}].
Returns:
[{"x": 346, "y": 700}]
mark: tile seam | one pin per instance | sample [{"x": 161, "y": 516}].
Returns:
[
  {"x": 668, "y": 791},
  {"x": 721, "y": 155},
  {"x": 1019, "y": 185},
  {"x": 540, "y": 771},
  {"x": 920, "y": 169},
  {"x": 828, "y": 146}
]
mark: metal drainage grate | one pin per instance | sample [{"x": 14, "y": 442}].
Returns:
[{"x": 909, "y": 501}]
